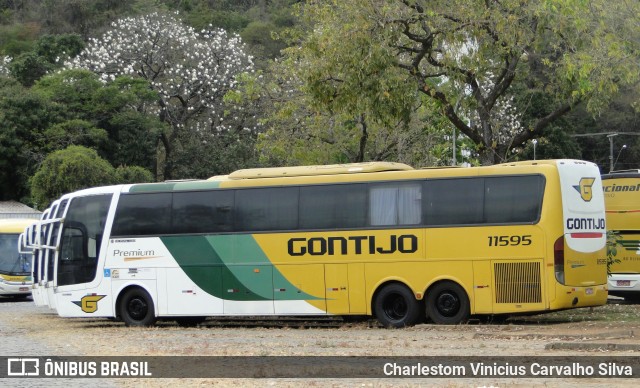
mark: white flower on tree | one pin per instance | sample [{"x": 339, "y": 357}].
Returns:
[
  {"x": 191, "y": 71},
  {"x": 4, "y": 65}
]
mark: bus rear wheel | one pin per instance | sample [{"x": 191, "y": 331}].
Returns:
[
  {"x": 396, "y": 306},
  {"x": 447, "y": 304},
  {"x": 136, "y": 308}
]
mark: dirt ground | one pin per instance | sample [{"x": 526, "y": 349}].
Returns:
[{"x": 610, "y": 330}]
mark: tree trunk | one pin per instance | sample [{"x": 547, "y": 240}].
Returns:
[
  {"x": 164, "y": 167},
  {"x": 487, "y": 157},
  {"x": 364, "y": 136}
]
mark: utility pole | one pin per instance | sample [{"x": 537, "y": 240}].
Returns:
[{"x": 611, "y": 136}]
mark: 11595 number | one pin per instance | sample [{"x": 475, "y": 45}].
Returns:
[{"x": 503, "y": 241}]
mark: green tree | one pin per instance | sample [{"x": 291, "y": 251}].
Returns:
[
  {"x": 67, "y": 170},
  {"x": 310, "y": 122},
  {"x": 120, "y": 109},
  {"x": 471, "y": 58},
  {"x": 73, "y": 108},
  {"x": 24, "y": 118},
  {"x": 48, "y": 54},
  {"x": 133, "y": 174},
  {"x": 18, "y": 38}
]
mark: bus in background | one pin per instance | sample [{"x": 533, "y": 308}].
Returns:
[
  {"x": 622, "y": 202},
  {"x": 15, "y": 267},
  {"x": 381, "y": 239},
  {"x": 40, "y": 240}
]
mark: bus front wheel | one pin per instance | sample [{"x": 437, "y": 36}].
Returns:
[
  {"x": 136, "y": 308},
  {"x": 396, "y": 306},
  {"x": 447, "y": 303}
]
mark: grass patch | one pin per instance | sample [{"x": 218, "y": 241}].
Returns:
[{"x": 611, "y": 312}]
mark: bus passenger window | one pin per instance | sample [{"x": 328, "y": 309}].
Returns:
[
  {"x": 267, "y": 209},
  {"x": 202, "y": 212},
  {"x": 454, "y": 201},
  {"x": 395, "y": 205},
  {"x": 145, "y": 214},
  {"x": 513, "y": 199},
  {"x": 333, "y": 206}
]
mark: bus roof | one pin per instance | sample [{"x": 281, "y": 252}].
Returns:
[
  {"x": 338, "y": 173},
  {"x": 330, "y": 169},
  {"x": 622, "y": 174}
]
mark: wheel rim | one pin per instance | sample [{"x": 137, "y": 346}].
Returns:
[
  {"x": 448, "y": 303},
  {"x": 395, "y": 307},
  {"x": 137, "y": 308}
]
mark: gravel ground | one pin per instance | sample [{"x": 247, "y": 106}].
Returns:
[{"x": 606, "y": 331}]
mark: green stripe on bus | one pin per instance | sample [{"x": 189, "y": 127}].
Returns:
[
  {"x": 203, "y": 265},
  {"x": 241, "y": 253},
  {"x": 231, "y": 267}
]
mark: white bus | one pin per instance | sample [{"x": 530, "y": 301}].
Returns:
[
  {"x": 40, "y": 241},
  {"x": 380, "y": 239}
]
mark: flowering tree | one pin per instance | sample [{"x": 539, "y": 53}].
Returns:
[
  {"x": 4, "y": 65},
  {"x": 190, "y": 71}
]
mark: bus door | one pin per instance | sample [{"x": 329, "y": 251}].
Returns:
[
  {"x": 26, "y": 259},
  {"x": 248, "y": 289},
  {"x": 336, "y": 280},
  {"x": 294, "y": 285},
  {"x": 77, "y": 278},
  {"x": 31, "y": 237}
]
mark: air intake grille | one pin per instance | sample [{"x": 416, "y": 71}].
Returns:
[{"x": 517, "y": 283}]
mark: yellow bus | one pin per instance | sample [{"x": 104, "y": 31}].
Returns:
[
  {"x": 379, "y": 239},
  {"x": 15, "y": 267},
  {"x": 622, "y": 203}
]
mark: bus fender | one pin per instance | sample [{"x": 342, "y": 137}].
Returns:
[{"x": 148, "y": 285}]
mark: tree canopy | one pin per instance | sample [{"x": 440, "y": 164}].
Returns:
[
  {"x": 481, "y": 62},
  {"x": 67, "y": 170},
  {"x": 210, "y": 89}
]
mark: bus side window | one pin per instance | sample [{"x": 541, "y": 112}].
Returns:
[
  {"x": 333, "y": 206},
  {"x": 202, "y": 212},
  {"x": 146, "y": 214},
  {"x": 266, "y": 209},
  {"x": 454, "y": 201},
  {"x": 513, "y": 199},
  {"x": 395, "y": 204}
]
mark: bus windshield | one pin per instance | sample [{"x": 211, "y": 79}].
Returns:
[{"x": 12, "y": 262}]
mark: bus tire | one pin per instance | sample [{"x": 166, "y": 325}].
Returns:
[
  {"x": 136, "y": 308},
  {"x": 396, "y": 306},
  {"x": 447, "y": 303}
]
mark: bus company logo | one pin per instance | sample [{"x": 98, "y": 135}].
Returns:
[
  {"x": 23, "y": 367},
  {"x": 577, "y": 264},
  {"x": 89, "y": 303},
  {"x": 584, "y": 188}
]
